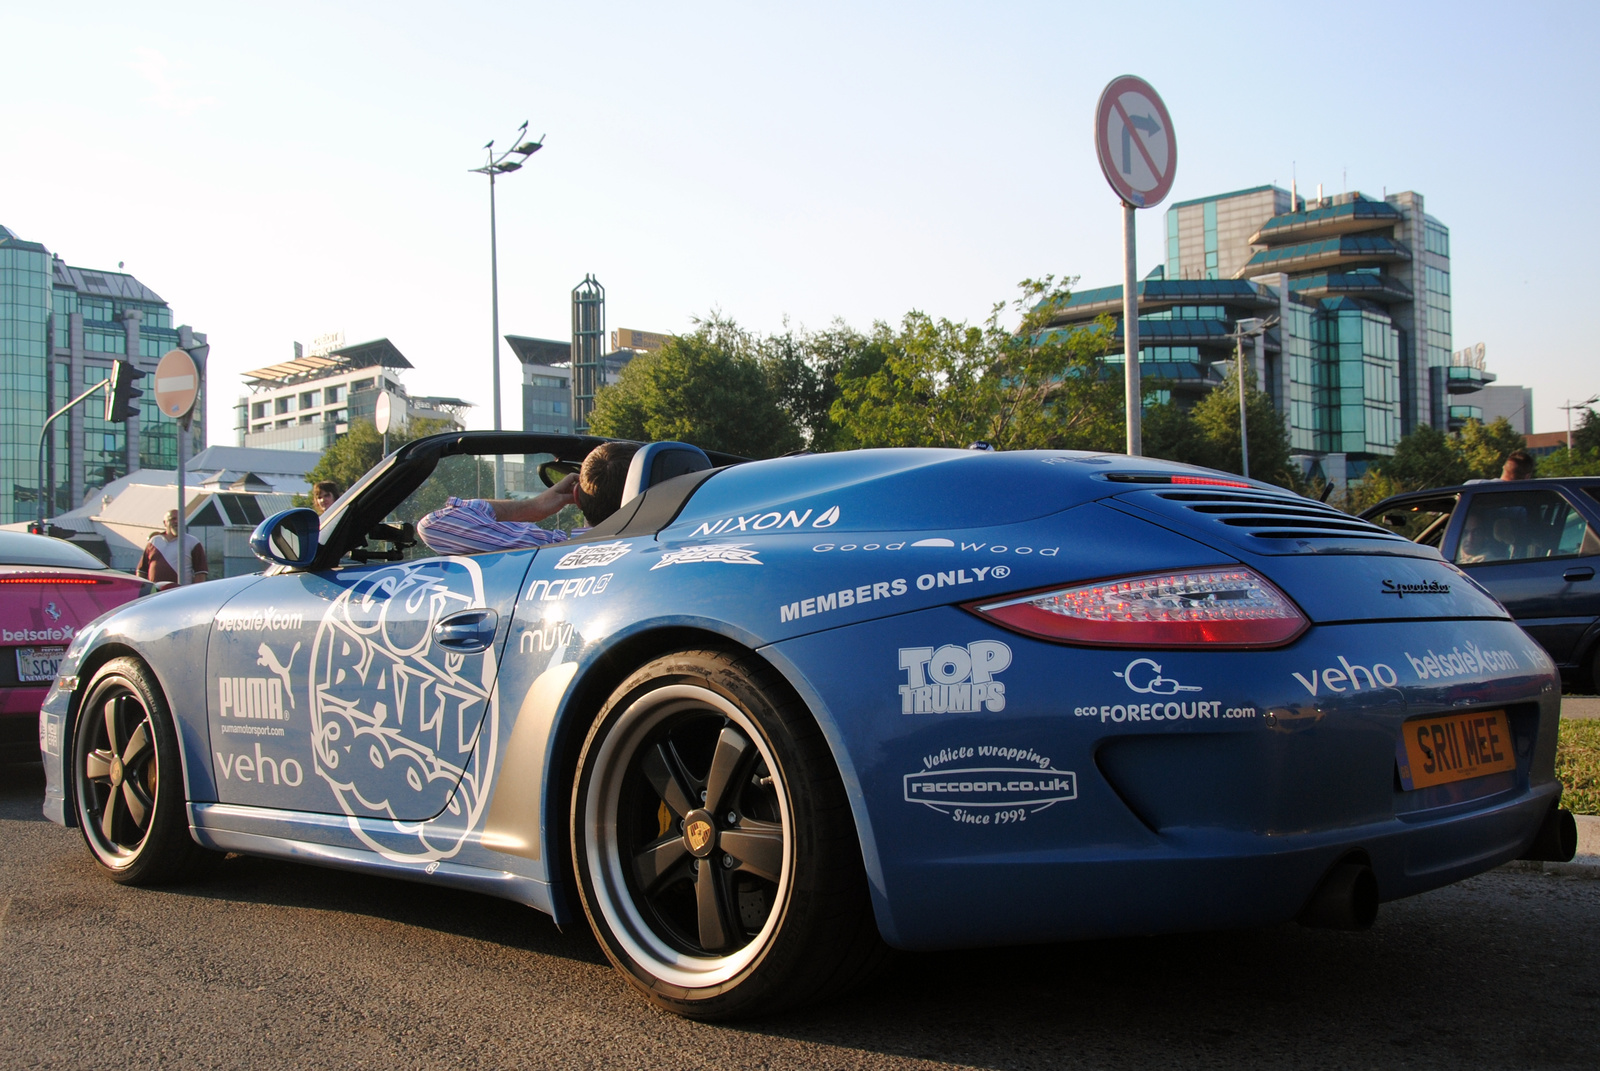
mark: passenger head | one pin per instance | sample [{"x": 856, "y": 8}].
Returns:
[
  {"x": 1519, "y": 466},
  {"x": 600, "y": 480},
  {"x": 324, "y": 494}
]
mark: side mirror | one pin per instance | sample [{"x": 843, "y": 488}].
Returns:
[{"x": 288, "y": 538}]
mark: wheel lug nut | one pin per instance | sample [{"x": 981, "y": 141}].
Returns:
[
  {"x": 733, "y": 819},
  {"x": 727, "y": 862}
]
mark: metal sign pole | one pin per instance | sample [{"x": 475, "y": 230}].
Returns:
[
  {"x": 1244, "y": 435},
  {"x": 1130, "y": 333},
  {"x": 183, "y": 527}
]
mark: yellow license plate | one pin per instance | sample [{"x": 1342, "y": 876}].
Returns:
[{"x": 1436, "y": 751}]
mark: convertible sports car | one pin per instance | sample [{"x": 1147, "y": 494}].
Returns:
[{"x": 772, "y": 717}]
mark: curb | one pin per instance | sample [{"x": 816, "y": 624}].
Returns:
[{"x": 1586, "y": 864}]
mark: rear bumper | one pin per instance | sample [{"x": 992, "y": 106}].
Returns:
[
  {"x": 1198, "y": 879},
  {"x": 19, "y": 723}
]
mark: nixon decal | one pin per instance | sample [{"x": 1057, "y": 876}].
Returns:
[
  {"x": 962, "y": 678},
  {"x": 761, "y": 522}
]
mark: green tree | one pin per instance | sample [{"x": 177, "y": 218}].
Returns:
[
  {"x": 710, "y": 387},
  {"x": 353, "y": 454},
  {"x": 1425, "y": 458},
  {"x": 1485, "y": 447},
  {"x": 940, "y": 383},
  {"x": 1216, "y": 417}
]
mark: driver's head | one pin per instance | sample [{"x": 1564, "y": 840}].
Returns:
[{"x": 600, "y": 480}]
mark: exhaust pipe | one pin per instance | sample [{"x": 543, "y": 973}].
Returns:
[
  {"x": 1347, "y": 899},
  {"x": 1557, "y": 839}
]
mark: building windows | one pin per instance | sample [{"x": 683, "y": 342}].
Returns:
[
  {"x": 549, "y": 405},
  {"x": 258, "y": 410},
  {"x": 308, "y": 399},
  {"x": 361, "y": 384},
  {"x": 1436, "y": 238},
  {"x": 1172, "y": 243},
  {"x": 549, "y": 382},
  {"x": 281, "y": 405},
  {"x": 333, "y": 395},
  {"x": 1437, "y": 281}
]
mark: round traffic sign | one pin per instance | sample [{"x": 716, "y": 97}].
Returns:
[
  {"x": 1134, "y": 140},
  {"x": 381, "y": 412},
  {"x": 177, "y": 383}
]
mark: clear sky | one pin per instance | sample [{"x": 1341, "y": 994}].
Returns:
[{"x": 281, "y": 171}]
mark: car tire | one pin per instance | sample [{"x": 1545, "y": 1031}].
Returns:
[
  {"x": 716, "y": 857},
  {"x": 128, "y": 779}
]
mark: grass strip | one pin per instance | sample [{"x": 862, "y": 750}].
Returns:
[{"x": 1578, "y": 764}]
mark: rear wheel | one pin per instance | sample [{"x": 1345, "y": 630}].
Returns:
[
  {"x": 128, "y": 779},
  {"x": 713, "y": 844}
]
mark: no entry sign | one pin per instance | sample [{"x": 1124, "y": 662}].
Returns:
[
  {"x": 1134, "y": 140},
  {"x": 177, "y": 384}
]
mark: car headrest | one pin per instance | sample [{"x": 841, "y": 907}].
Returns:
[{"x": 658, "y": 462}]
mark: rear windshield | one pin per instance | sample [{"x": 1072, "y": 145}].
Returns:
[{"x": 20, "y": 548}]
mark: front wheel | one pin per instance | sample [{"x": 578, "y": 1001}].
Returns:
[
  {"x": 713, "y": 845},
  {"x": 128, "y": 779}
]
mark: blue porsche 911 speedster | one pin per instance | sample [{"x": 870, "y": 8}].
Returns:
[{"x": 771, "y": 718}]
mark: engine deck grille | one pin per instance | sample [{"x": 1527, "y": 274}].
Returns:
[{"x": 1273, "y": 524}]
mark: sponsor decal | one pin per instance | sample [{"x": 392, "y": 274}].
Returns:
[
  {"x": 548, "y": 637},
  {"x": 988, "y": 785},
  {"x": 837, "y": 600},
  {"x": 28, "y": 635},
  {"x": 255, "y": 698},
  {"x": 954, "y": 679},
  {"x": 258, "y": 768},
  {"x": 572, "y": 588},
  {"x": 1348, "y": 677},
  {"x": 885, "y": 589},
  {"x": 1145, "y": 676},
  {"x": 1457, "y": 663},
  {"x": 269, "y": 620},
  {"x": 942, "y": 543},
  {"x": 762, "y": 522},
  {"x": 50, "y": 608},
  {"x": 269, "y": 660},
  {"x": 50, "y": 734},
  {"x": 593, "y": 555},
  {"x": 726, "y": 553},
  {"x": 1426, "y": 587}
]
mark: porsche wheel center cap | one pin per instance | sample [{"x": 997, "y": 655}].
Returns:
[
  {"x": 699, "y": 833},
  {"x": 116, "y": 771}
]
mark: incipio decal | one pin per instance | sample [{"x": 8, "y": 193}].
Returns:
[
  {"x": 954, "y": 679},
  {"x": 593, "y": 556},
  {"x": 988, "y": 785},
  {"x": 726, "y": 553}
]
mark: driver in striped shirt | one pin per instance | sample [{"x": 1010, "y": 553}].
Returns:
[{"x": 476, "y": 525}]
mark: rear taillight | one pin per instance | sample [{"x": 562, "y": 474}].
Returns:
[
  {"x": 52, "y": 580},
  {"x": 1203, "y": 608}
]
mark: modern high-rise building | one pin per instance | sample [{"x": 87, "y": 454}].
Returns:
[
  {"x": 60, "y": 329},
  {"x": 308, "y": 402},
  {"x": 548, "y": 401},
  {"x": 1357, "y": 295}
]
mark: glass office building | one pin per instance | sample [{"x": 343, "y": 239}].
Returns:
[
  {"x": 1358, "y": 294},
  {"x": 60, "y": 329}
]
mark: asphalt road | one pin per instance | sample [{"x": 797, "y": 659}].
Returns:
[{"x": 275, "y": 965}]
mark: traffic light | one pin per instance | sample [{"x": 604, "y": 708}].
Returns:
[{"x": 122, "y": 397}]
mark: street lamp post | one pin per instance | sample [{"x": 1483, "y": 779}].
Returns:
[
  {"x": 1257, "y": 329},
  {"x": 500, "y": 165},
  {"x": 1569, "y": 407}
]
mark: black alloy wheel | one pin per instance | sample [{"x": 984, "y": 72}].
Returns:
[
  {"x": 715, "y": 853},
  {"x": 128, "y": 783}
]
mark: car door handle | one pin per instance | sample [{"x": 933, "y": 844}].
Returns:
[
  {"x": 1580, "y": 572},
  {"x": 468, "y": 631}
]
